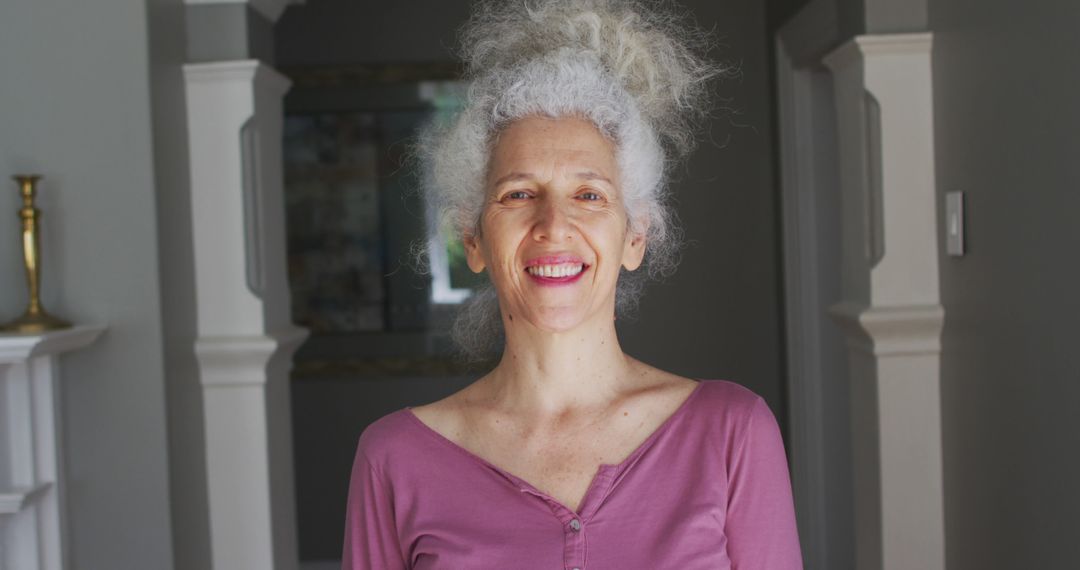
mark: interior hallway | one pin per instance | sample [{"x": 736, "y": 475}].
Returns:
[{"x": 95, "y": 97}]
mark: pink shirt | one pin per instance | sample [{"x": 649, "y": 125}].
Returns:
[{"x": 709, "y": 489}]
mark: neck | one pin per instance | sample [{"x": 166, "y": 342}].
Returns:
[{"x": 544, "y": 374}]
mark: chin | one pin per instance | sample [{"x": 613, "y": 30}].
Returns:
[{"x": 558, "y": 320}]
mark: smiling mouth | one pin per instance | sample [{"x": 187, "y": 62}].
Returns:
[{"x": 556, "y": 271}]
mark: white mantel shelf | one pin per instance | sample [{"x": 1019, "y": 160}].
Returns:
[
  {"x": 32, "y": 518},
  {"x": 21, "y": 347},
  {"x": 14, "y": 500}
]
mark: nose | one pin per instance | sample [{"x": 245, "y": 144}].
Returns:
[{"x": 552, "y": 221}]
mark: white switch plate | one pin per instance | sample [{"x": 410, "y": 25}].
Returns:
[{"x": 954, "y": 223}]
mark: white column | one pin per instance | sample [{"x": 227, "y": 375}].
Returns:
[
  {"x": 891, "y": 311},
  {"x": 245, "y": 336},
  {"x": 32, "y": 517}
]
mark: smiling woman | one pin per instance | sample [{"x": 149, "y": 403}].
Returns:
[{"x": 570, "y": 453}]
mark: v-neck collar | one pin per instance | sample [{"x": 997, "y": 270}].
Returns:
[{"x": 602, "y": 482}]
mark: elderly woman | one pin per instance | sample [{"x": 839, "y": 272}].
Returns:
[{"x": 570, "y": 454}]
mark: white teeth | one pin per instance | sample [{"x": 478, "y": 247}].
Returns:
[{"x": 556, "y": 271}]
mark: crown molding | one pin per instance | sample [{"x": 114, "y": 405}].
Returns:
[{"x": 270, "y": 9}]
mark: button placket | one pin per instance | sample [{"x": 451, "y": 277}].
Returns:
[
  {"x": 574, "y": 537},
  {"x": 575, "y": 541}
]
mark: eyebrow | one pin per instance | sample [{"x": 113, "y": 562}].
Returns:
[
  {"x": 583, "y": 175},
  {"x": 513, "y": 177},
  {"x": 590, "y": 175}
]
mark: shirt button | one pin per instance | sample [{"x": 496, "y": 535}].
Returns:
[{"x": 575, "y": 525}]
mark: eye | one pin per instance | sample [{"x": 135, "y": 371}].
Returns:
[
  {"x": 591, "y": 196},
  {"x": 516, "y": 195}
]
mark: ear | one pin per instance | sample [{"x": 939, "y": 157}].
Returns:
[
  {"x": 633, "y": 250},
  {"x": 474, "y": 254}
]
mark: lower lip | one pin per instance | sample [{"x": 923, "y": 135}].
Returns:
[{"x": 554, "y": 281}]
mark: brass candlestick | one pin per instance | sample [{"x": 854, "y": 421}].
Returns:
[{"x": 35, "y": 319}]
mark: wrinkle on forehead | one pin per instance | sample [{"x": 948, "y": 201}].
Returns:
[
  {"x": 523, "y": 176},
  {"x": 583, "y": 152}
]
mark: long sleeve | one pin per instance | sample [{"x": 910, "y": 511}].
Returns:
[
  {"x": 760, "y": 523},
  {"x": 371, "y": 540}
]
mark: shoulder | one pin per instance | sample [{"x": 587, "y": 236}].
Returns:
[
  {"x": 654, "y": 384},
  {"x": 387, "y": 438},
  {"x": 708, "y": 400},
  {"x": 407, "y": 426},
  {"x": 446, "y": 416},
  {"x": 723, "y": 395},
  {"x": 731, "y": 411}
]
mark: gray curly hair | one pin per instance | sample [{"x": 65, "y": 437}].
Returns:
[{"x": 631, "y": 70}]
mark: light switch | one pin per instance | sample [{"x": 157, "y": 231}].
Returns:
[{"x": 954, "y": 223}]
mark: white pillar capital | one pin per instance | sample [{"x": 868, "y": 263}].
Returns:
[{"x": 891, "y": 331}]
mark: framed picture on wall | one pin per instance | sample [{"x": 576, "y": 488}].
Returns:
[{"x": 354, "y": 216}]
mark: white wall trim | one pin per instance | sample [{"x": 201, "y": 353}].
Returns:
[
  {"x": 800, "y": 288},
  {"x": 808, "y": 34}
]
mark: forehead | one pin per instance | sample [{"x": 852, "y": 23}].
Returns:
[{"x": 544, "y": 143}]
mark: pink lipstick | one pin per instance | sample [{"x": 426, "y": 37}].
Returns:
[{"x": 555, "y": 269}]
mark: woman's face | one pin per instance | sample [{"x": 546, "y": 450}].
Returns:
[{"x": 554, "y": 232}]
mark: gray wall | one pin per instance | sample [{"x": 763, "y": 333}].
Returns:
[
  {"x": 1008, "y": 131},
  {"x": 717, "y": 317},
  {"x": 343, "y": 32},
  {"x": 187, "y": 448},
  {"x": 861, "y": 16},
  {"x": 76, "y": 93}
]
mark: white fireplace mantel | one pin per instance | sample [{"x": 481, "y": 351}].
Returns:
[{"x": 32, "y": 528}]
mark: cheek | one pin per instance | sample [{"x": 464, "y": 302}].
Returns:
[
  {"x": 507, "y": 223},
  {"x": 608, "y": 232},
  {"x": 502, "y": 240}
]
